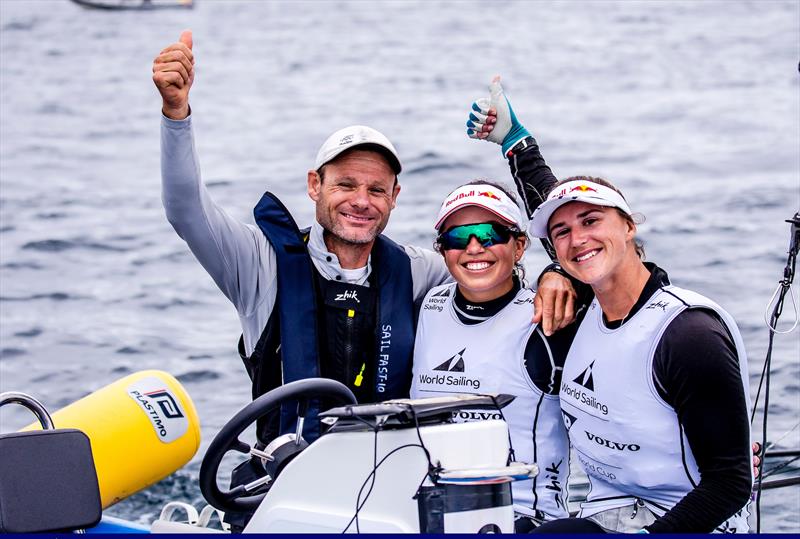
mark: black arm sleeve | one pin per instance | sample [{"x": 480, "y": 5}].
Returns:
[
  {"x": 533, "y": 179},
  {"x": 545, "y": 357},
  {"x": 531, "y": 174},
  {"x": 696, "y": 371}
]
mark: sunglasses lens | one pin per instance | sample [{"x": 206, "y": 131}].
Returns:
[{"x": 487, "y": 234}]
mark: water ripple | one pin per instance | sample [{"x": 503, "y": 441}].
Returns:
[
  {"x": 129, "y": 350},
  {"x": 426, "y": 169},
  {"x": 33, "y": 332},
  {"x": 55, "y": 108},
  {"x": 21, "y": 25},
  {"x": 52, "y": 215},
  {"x": 56, "y": 246},
  {"x": 7, "y": 353},
  {"x": 22, "y": 265},
  {"x": 55, "y": 296},
  {"x": 198, "y": 376},
  {"x": 176, "y": 302}
]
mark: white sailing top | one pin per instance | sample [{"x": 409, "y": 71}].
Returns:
[{"x": 451, "y": 357}]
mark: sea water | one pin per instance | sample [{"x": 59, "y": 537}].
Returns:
[{"x": 691, "y": 107}]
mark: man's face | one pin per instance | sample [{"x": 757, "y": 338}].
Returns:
[{"x": 356, "y": 197}]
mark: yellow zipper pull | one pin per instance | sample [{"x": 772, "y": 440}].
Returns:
[{"x": 360, "y": 376}]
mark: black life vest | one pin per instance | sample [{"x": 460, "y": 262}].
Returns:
[{"x": 361, "y": 336}]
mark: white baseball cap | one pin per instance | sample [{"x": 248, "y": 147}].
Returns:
[
  {"x": 357, "y": 135},
  {"x": 482, "y": 195},
  {"x": 574, "y": 191}
]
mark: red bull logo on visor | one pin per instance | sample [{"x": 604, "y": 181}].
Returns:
[
  {"x": 472, "y": 193},
  {"x": 459, "y": 197},
  {"x": 583, "y": 188}
]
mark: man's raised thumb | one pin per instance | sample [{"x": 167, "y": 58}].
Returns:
[{"x": 186, "y": 38}]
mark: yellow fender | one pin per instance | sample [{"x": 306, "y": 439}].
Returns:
[{"x": 142, "y": 428}]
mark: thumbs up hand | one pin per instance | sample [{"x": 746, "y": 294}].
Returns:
[
  {"x": 173, "y": 75},
  {"x": 492, "y": 118}
]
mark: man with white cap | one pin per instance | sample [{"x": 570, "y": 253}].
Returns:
[
  {"x": 343, "y": 292},
  {"x": 335, "y": 300}
]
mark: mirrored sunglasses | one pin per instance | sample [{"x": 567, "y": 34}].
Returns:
[{"x": 487, "y": 234}]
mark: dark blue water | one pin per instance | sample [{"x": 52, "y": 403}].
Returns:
[{"x": 691, "y": 107}]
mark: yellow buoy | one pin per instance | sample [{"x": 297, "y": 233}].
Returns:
[{"x": 142, "y": 428}]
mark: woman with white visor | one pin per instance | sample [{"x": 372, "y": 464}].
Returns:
[
  {"x": 476, "y": 336},
  {"x": 654, "y": 387}
]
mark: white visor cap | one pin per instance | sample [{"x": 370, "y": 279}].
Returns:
[
  {"x": 357, "y": 135},
  {"x": 483, "y": 196},
  {"x": 574, "y": 191}
]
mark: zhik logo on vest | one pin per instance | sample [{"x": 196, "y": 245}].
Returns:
[
  {"x": 552, "y": 473},
  {"x": 454, "y": 363},
  {"x": 656, "y": 304},
  {"x": 348, "y": 294},
  {"x": 436, "y": 301},
  {"x": 585, "y": 380}
]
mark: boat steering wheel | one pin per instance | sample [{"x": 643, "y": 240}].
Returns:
[{"x": 227, "y": 439}]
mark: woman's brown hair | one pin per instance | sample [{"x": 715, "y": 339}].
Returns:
[{"x": 635, "y": 219}]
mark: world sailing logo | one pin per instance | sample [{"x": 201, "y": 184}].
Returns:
[
  {"x": 454, "y": 364},
  {"x": 585, "y": 378},
  {"x": 586, "y": 381}
]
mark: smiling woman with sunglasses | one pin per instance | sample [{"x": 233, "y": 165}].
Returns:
[{"x": 476, "y": 336}]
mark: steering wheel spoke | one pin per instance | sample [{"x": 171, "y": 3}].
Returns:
[
  {"x": 261, "y": 454},
  {"x": 250, "y": 487},
  {"x": 239, "y": 499},
  {"x": 237, "y": 491},
  {"x": 242, "y": 447}
]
